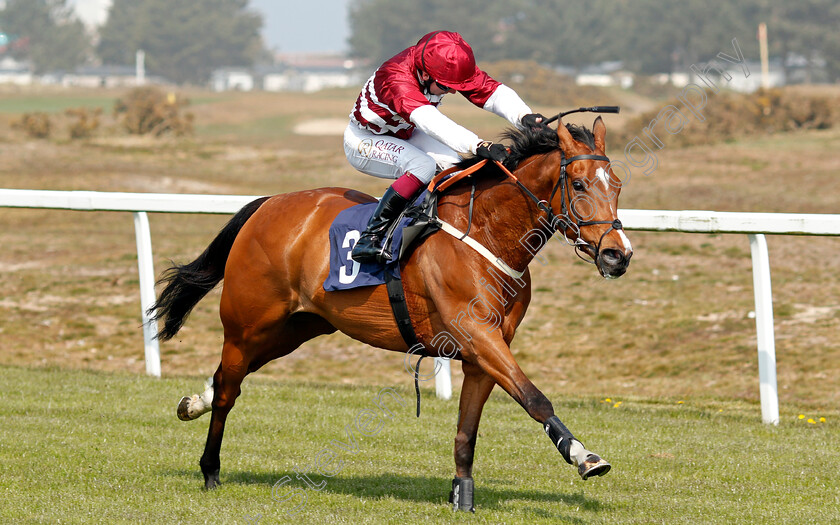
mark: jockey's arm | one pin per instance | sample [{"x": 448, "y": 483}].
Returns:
[
  {"x": 432, "y": 122},
  {"x": 506, "y": 103},
  {"x": 503, "y": 102}
]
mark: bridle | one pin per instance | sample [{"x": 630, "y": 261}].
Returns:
[{"x": 565, "y": 219}]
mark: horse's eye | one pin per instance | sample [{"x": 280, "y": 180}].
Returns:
[{"x": 578, "y": 185}]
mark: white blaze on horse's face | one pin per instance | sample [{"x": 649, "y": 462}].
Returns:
[
  {"x": 614, "y": 258},
  {"x": 602, "y": 176},
  {"x": 628, "y": 248},
  {"x": 592, "y": 199},
  {"x": 608, "y": 246}
]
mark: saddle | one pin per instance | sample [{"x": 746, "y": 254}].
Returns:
[{"x": 423, "y": 221}]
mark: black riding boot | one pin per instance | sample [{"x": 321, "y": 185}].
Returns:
[{"x": 368, "y": 248}]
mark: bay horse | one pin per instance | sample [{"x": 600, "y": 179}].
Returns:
[{"x": 274, "y": 253}]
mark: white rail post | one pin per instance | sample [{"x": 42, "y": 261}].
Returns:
[
  {"x": 145, "y": 266},
  {"x": 443, "y": 379},
  {"x": 764, "y": 329}
]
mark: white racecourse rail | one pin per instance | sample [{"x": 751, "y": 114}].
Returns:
[{"x": 755, "y": 225}]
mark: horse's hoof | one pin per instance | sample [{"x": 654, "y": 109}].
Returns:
[
  {"x": 461, "y": 496},
  {"x": 211, "y": 481},
  {"x": 183, "y": 407},
  {"x": 594, "y": 465}
]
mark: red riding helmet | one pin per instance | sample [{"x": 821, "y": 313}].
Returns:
[{"x": 448, "y": 59}]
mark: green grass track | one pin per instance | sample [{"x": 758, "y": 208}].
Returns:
[{"x": 88, "y": 447}]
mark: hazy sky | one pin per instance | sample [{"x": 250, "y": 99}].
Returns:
[
  {"x": 304, "y": 25},
  {"x": 290, "y": 25},
  {"x": 92, "y": 12}
]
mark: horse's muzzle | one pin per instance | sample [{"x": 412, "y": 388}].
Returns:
[{"x": 613, "y": 263}]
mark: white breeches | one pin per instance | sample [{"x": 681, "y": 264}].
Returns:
[{"x": 388, "y": 157}]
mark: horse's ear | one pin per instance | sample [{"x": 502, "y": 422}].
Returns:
[
  {"x": 599, "y": 130},
  {"x": 567, "y": 143}
]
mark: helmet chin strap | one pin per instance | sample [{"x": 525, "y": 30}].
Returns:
[
  {"x": 425, "y": 84},
  {"x": 423, "y": 52}
]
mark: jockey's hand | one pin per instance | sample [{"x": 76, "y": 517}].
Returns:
[
  {"x": 534, "y": 121},
  {"x": 492, "y": 151}
]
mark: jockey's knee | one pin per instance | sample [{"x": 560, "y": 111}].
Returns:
[
  {"x": 445, "y": 160},
  {"x": 423, "y": 167}
]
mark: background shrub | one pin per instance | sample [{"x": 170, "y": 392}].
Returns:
[
  {"x": 85, "y": 123},
  {"x": 35, "y": 125},
  {"x": 148, "y": 110},
  {"x": 729, "y": 116}
]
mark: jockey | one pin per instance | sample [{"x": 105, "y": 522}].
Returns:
[{"x": 397, "y": 132}]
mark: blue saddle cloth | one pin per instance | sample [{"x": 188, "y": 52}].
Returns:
[{"x": 345, "y": 273}]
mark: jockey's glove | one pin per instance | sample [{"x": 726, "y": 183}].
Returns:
[
  {"x": 534, "y": 121},
  {"x": 492, "y": 151}
]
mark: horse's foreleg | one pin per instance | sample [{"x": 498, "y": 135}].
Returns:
[
  {"x": 497, "y": 361},
  {"x": 476, "y": 388}
]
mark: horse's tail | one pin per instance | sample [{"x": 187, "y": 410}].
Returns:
[{"x": 187, "y": 284}]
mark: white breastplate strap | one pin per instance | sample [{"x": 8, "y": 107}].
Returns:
[{"x": 477, "y": 246}]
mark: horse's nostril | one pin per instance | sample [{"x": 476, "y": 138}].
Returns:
[{"x": 613, "y": 257}]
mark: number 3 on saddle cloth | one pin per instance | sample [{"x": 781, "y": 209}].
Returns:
[{"x": 345, "y": 273}]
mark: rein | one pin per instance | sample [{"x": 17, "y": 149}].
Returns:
[{"x": 436, "y": 185}]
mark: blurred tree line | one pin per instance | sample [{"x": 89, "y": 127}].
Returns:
[
  {"x": 44, "y": 32},
  {"x": 184, "y": 40},
  {"x": 649, "y": 36}
]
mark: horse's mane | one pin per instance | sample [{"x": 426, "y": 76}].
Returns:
[{"x": 528, "y": 142}]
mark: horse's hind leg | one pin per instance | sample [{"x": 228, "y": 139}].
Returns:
[
  {"x": 240, "y": 356},
  {"x": 226, "y": 388},
  {"x": 476, "y": 388},
  {"x": 299, "y": 328},
  {"x": 195, "y": 406}
]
